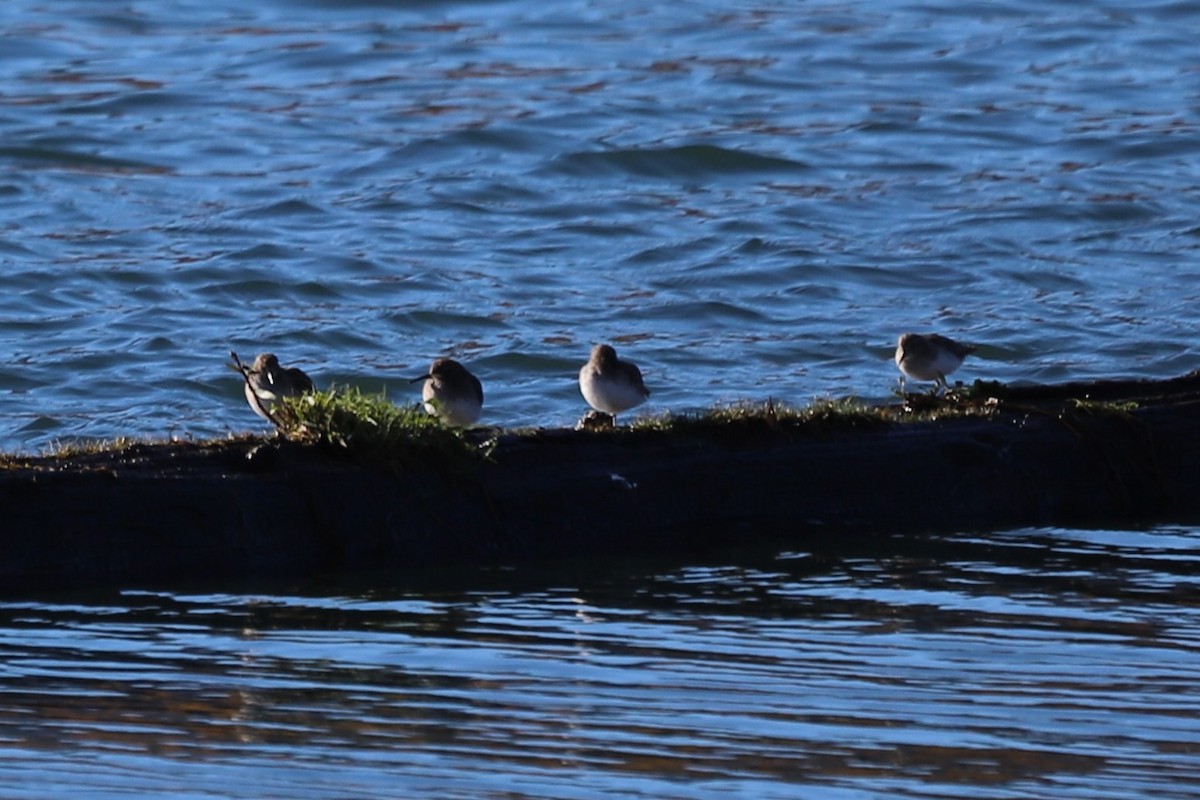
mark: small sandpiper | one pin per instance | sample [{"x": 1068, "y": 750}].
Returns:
[
  {"x": 452, "y": 393},
  {"x": 266, "y": 382},
  {"x": 929, "y": 358},
  {"x": 609, "y": 384}
]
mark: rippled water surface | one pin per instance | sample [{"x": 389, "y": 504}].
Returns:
[
  {"x": 1027, "y": 664},
  {"x": 750, "y": 199}
]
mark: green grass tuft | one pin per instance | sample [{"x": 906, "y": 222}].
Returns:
[{"x": 374, "y": 430}]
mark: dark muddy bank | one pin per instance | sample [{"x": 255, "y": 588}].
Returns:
[{"x": 245, "y": 507}]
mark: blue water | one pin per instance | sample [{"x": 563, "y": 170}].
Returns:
[
  {"x": 1030, "y": 664},
  {"x": 748, "y": 200}
]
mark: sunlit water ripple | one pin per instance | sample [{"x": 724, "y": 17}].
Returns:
[{"x": 750, "y": 201}]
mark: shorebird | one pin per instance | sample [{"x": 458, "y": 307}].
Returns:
[
  {"x": 929, "y": 358},
  {"x": 266, "y": 382},
  {"x": 609, "y": 384},
  {"x": 452, "y": 393}
]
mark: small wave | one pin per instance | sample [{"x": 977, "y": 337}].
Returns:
[
  {"x": 58, "y": 158},
  {"x": 284, "y": 208},
  {"x": 687, "y": 161}
]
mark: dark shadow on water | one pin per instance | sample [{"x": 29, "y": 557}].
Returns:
[{"x": 1076, "y": 568}]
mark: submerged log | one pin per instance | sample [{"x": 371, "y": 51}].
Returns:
[{"x": 254, "y": 507}]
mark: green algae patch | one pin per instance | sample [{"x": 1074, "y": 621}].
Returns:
[{"x": 371, "y": 429}]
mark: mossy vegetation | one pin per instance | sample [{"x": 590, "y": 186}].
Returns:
[
  {"x": 86, "y": 447},
  {"x": 134, "y": 445},
  {"x": 371, "y": 428},
  {"x": 86, "y": 453},
  {"x": 1097, "y": 408},
  {"x": 746, "y": 417},
  {"x": 821, "y": 416}
]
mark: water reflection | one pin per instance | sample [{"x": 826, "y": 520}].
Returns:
[{"x": 1033, "y": 663}]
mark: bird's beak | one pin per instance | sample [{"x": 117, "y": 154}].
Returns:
[{"x": 422, "y": 378}]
